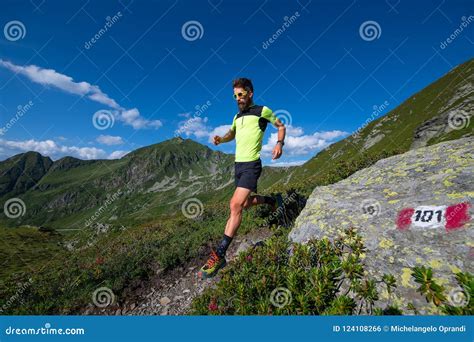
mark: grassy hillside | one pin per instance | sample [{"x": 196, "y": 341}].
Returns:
[{"x": 62, "y": 272}]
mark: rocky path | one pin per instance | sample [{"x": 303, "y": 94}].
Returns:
[{"x": 171, "y": 292}]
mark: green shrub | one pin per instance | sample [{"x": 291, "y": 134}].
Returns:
[
  {"x": 459, "y": 301},
  {"x": 318, "y": 278},
  {"x": 283, "y": 278}
]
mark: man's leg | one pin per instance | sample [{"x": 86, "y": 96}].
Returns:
[
  {"x": 217, "y": 259},
  {"x": 240, "y": 197},
  {"x": 275, "y": 202},
  {"x": 237, "y": 202},
  {"x": 259, "y": 199}
]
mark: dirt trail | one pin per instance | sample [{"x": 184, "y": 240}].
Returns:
[{"x": 171, "y": 292}]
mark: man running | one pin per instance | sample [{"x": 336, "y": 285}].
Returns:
[{"x": 248, "y": 128}]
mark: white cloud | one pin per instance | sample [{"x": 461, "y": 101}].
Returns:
[
  {"x": 49, "y": 148},
  {"x": 297, "y": 143},
  {"x": 117, "y": 154},
  {"x": 294, "y": 131},
  {"x": 196, "y": 126},
  {"x": 132, "y": 117},
  {"x": 50, "y": 77},
  {"x": 103, "y": 98},
  {"x": 290, "y": 163},
  {"x": 219, "y": 130},
  {"x": 109, "y": 140}
]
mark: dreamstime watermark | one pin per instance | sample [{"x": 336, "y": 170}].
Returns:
[
  {"x": 17, "y": 296},
  {"x": 103, "y": 297},
  {"x": 21, "y": 110},
  {"x": 46, "y": 330},
  {"x": 370, "y": 207},
  {"x": 281, "y": 297},
  {"x": 465, "y": 21},
  {"x": 458, "y": 297},
  {"x": 458, "y": 120},
  {"x": 281, "y": 210},
  {"x": 192, "y": 208},
  {"x": 14, "y": 208},
  {"x": 377, "y": 110},
  {"x": 284, "y": 116},
  {"x": 110, "y": 21},
  {"x": 103, "y": 119},
  {"x": 370, "y": 30},
  {"x": 103, "y": 208},
  {"x": 457, "y": 209},
  {"x": 199, "y": 110},
  {"x": 14, "y": 30},
  {"x": 91, "y": 240},
  {"x": 288, "y": 21},
  {"x": 192, "y": 30}
]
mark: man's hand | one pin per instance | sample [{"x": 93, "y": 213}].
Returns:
[
  {"x": 230, "y": 135},
  {"x": 277, "y": 151},
  {"x": 217, "y": 140}
]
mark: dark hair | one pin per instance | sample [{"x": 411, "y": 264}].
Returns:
[{"x": 243, "y": 83}]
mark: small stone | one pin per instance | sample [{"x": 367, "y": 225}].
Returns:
[
  {"x": 165, "y": 301},
  {"x": 186, "y": 291},
  {"x": 133, "y": 306},
  {"x": 118, "y": 312}
]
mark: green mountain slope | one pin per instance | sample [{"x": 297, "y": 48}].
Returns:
[{"x": 21, "y": 172}]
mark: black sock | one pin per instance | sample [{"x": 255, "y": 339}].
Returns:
[
  {"x": 222, "y": 249},
  {"x": 269, "y": 200}
]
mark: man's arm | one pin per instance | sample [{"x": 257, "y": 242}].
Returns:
[
  {"x": 278, "y": 150},
  {"x": 229, "y": 136}
]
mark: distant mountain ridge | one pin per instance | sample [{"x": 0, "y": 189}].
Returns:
[{"x": 156, "y": 175}]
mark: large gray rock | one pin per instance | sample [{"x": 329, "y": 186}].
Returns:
[{"x": 382, "y": 202}]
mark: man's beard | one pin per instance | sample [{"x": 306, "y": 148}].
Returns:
[{"x": 245, "y": 104}]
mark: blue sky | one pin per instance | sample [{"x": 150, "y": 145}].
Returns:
[{"x": 155, "y": 69}]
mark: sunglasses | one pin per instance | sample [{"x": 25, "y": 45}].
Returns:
[{"x": 239, "y": 95}]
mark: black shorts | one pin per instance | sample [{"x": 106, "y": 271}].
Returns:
[{"x": 247, "y": 174}]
